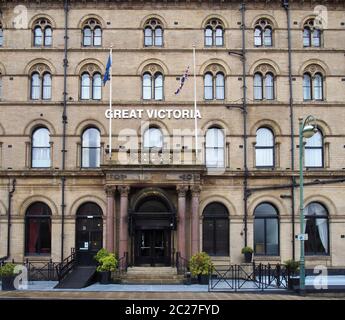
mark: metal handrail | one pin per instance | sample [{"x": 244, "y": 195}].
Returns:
[
  {"x": 182, "y": 264},
  {"x": 63, "y": 268}
]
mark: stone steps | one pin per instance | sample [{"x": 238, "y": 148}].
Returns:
[{"x": 152, "y": 275}]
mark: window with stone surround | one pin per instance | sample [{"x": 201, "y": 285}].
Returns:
[
  {"x": 214, "y": 83},
  {"x": 40, "y": 82},
  {"x": 90, "y": 82},
  {"x": 91, "y": 148},
  {"x": 314, "y": 151},
  {"x": 42, "y": 33},
  {"x": 264, "y": 148},
  {"x": 264, "y": 82},
  {"x": 40, "y": 148},
  {"x": 153, "y": 33},
  {"x": 263, "y": 33},
  {"x": 92, "y": 33},
  {"x": 153, "y": 83},
  {"x": 214, "y": 33},
  {"x": 313, "y": 83},
  {"x": 312, "y": 33}
]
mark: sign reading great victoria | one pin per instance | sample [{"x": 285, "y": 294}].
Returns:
[{"x": 152, "y": 113}]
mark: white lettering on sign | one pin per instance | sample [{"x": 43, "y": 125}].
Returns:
[{"x": 152, "y": 114}]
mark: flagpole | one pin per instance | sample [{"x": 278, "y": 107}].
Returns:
[
  {"x": 195, "y": 109},
  {"x": 110, "y": 102}
]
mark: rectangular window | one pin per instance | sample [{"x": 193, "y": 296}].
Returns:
[
  {"x": 40, "y": 157},
  {"x": 313, "y": 157},
  {"x": 264, "y": 157}
]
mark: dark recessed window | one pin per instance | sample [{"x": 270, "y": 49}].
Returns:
[
  {"x": 216, "y": 229},
  {"x": 38, "y": 229},
  {"x": 266, "y": 230}
]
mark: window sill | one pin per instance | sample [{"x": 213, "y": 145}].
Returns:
[
  {"x": 318, "y": 258},
  {"x": 38, "y": 257},
  {"x": 266, "y": 258}
]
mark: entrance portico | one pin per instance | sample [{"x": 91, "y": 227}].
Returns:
[{"x": 153, "y": 215}]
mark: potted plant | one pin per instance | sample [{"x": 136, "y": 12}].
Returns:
[
  {"x": 292, "y": 268},
  {"x": 106, "y": 264},
  {"x": 200, "y": 266},
  {"x": 7, "y": 276},
  {"x": 248, "y": 254}
]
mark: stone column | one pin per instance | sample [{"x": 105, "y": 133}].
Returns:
[
  {"x": 181, "y": 227},
  {"x": 123, "y": 232},
  {"x": 195, "y": 234},
  {"x": 110, "y": 226}
]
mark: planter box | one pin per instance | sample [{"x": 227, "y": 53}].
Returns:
[
  {"x": 248, "y": 257},
  {"x": 203, "y": 279},
  {"x": 105, "y": 277},
  {"x": 7, "y": 283},
  {"x": 293, "y": 283}
]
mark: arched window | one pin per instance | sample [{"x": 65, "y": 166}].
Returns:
[
  {"x": 43, "y": 33},
  {"x": 313, "y": 86},
  {"x": 311, "y": 34},
  {"x": 316, "y": 227},
  {"x": 1, "y": 35},
  {"x": 85, "y": 86},
  {"x": 263, "y": 33},
  {"x": 258, "y": 86},
  {"x": 214, "y": 86},
  {"x": 153, "y": 33},
  {"x": 91, "y": 86},
  {"x": 264, "y": 86},
  {"x": 35, "y": 86},
  {"x": 318, "y": 87},
  {"x": 307, "y": 94},
  {"x": 314, "y": 151},
  {"x": 38, "y": 229},
  {"x": 40, "y": 148},
  {"x": 269, "y": 86},
  {"x": 47, "y": 86},
  {"x": 91, "y": 148},
  {"x": 215, "y": 236},
  {"x": 264, "y": 148},
  {"x": 214, "y": 33},
  {"x": 92, "y": 33},
  {"x": 266, "y": 230},
  {"x": 97, "y": 86},
  {"x": 153, "y": 138},
  {"x": 153, "y": 86},
  {"x": 215, "y": 148},
  {"x": 41, "y": 83}
]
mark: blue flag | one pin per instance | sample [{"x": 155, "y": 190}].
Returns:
[{"x": 107, "y": 70}]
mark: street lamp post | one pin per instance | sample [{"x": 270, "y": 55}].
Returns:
[{"x": 307, "y": 129}]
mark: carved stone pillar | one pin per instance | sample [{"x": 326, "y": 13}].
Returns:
[
  {"x": 110, "y": 226},
  {"x": 123, "y": 232},
  {"x": 181, "y": 228},
  {"x": 195, "y": 221}
]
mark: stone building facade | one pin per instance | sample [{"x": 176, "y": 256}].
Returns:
[{"x": 162, "y": 195}]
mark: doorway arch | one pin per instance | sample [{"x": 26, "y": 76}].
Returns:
[
  {"x": 152, "y": 221},
  {"x": 89, "y": 232}
]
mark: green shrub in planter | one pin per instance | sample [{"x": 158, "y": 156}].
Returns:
[
  {"x": 7, "y": 276},
  {"x": 106, "y": 264},
  {"x": 200, "y": 266},
  {"x": 248, "y": 254}
]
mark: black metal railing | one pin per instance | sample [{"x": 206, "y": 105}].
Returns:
[
  {"x": 249, "y": 278},
  {"x": 66, "y": 266},
  {"x": 182, "y": 264},
  {"x": 41, "y": 271}
]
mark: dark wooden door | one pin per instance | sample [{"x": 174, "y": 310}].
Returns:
[
  {"x": 152, "y": 247},
  {"x": 89, "y": 239}
]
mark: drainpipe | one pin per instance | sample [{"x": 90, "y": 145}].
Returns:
[
  {"x": 9, "y": 214},
  {"x": 293, "y": 180},
  {"x": 64, "y": 124},
  {"x": 244, "y": 112}
]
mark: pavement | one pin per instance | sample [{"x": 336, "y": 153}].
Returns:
[{"x": 44, "y": 290}]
